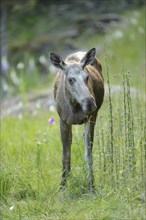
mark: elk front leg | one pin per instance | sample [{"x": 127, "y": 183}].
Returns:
[
  {"x": 88, "y": 140},
  {"x": 66, "y": 138}
]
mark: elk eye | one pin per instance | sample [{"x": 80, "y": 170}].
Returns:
[{"x": 71, "y": 80}]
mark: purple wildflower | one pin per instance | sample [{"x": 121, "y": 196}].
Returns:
[
  {"x": 4, "y": 64},
  {"x": 51, "y": 120}
]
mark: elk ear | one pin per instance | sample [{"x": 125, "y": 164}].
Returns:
[
  {"x": 88, "y": 58},
  {"x": 57, "y": 61}
]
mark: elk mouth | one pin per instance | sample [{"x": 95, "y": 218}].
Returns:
[{"x": 87, "y": 112}]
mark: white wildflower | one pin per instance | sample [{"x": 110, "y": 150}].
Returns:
[
  {"x": 11, "y": 208},
  {"x": 118, "y": 34},
  {"x": 44, "y": 140},
  {"x": 43, "y": 60},
  {"x": 38, "y": 105},
  {"x": 20, "y": 65},
  {"x": 20, "y": 116},
  {"x": 15, "y": 78},
  {"x": 133, "y": 21},
  {"x": 52, "y": 108}
]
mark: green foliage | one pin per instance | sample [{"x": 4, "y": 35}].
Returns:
[
  {"x": 31, "y": 151},
  {"x": 124, "y": 45}
]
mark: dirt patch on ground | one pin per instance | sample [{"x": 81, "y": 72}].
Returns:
[{"x": 31, "y": 103}]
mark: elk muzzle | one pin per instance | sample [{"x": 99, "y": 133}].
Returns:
[{"x": 88, "y": 105}]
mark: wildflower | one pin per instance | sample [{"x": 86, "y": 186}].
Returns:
[
  {"x": 51, "y": 120},
  {"x": 52, "y": 108},
  {"x": 15, "y": 78},
  {"x": 20, "y": 65},
  {"x": 38, "y": 104},
  {"x": 20, "y": 116},
  {"x": 4, "y": 64},
  {"x": 43, "y": 60},
  {"x": 133, "y": 21},
  {"x": 44, "y": 140},
  {"x": 11, "y": 208},
  {"x": 118, "y": 34}
]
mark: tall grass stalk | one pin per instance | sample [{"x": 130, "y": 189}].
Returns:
[
  {"x": 130, "y": 127},
  {"x": 111, "y": 127},
  {"x": 129, "y": 144},
  {"x": 38, "y": 166},
  {"x": 144, "y": 134}
]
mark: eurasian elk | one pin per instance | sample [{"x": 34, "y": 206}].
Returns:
[{"x": 78, "y": 93}]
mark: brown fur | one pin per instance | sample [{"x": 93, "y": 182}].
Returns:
[
  {"x": 71, "y": 112},
  {"x": 73, "y": 115}
]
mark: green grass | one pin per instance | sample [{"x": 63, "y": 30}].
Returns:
[
  {"x": 31, "y": 165},
  {"x": 31, "y": 152}
]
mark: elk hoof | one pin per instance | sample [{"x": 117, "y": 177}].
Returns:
[
  {"x": 63, "y": 183},
  {"x": 92, "y": 190}
]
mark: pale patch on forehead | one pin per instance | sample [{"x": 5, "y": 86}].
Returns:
[
  {"x": 80, "y": 54},
  {"x": 75, "y": 57},
  {"x": 74, "y": 69},
  {"x": 73, "y": 64}
]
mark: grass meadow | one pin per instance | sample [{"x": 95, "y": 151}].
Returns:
[{"x": 31, "y": 148}]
